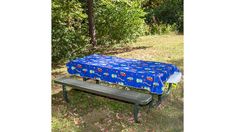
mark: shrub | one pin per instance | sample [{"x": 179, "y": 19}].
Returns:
[
  {"x": 119, "y": 21},
  {"x": 69, "y": 29},
  {"x": 162, "y": 28},
  {"x": 167, "y": 12}
]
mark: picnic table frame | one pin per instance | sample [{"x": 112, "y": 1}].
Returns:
[
  {"x": 133, "y": 97},
  {"x": 147, "y": 75},
  {"x": 150, "y": 101}
]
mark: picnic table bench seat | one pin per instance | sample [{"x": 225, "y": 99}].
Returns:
[{"x": 132, "y": 97}]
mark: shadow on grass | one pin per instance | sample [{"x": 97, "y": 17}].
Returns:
[
  {"x": 57, "y": 73},
  {"x": 85, "y": 102},
  {"x": 110, "y": 50},
  {"x": 124, "y": 49},
  {"x": 91, "y": 108},
  {"x": 95, "y": 109},
  {"x": 105, "y": 50}
]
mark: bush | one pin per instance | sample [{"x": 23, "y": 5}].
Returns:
[
  {"x": 69, "y": 29},
  {"x": 162, "y": 28},
  {"x": 119, "y": 21},
  {"x": 167, "y": 12}
]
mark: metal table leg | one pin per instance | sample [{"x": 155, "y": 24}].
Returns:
[
  {"x": 151, "y": 104},
  {"x": 85, "y": 78},
  {"x": 65, "y": 94},
  {"x": 136, "y": 111},
  {"x": 159, "y": 101},
  {"x": 169, "y": 89}
]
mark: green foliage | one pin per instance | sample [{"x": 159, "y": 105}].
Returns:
[
  {"x": 165, "y": 11},
  {"x": 116, "y": 21},
  {"x": 152, "y": 3},
  {"x": 119, "y": 21},
  {"x": 162, "y": 28},
  {"x": 69, "y": 29}
]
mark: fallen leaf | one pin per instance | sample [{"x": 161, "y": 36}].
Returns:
[
  {"x": 131, "y": 120},
  {"x": 102, "y": 129},
  {"x": 109, "y": 121},
  {"x": 97, "y": 123},
  {"x": 76, "y": 121},
  {"x": 117, "y": 116},
  {"x": 75, "y": 114}
]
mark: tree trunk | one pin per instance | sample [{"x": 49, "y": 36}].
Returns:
[{"x": 91, "y": 23}]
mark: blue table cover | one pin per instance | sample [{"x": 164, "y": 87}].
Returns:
[{"x": 139, "y": 74}]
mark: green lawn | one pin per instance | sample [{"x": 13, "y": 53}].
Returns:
[{"x": 87, "y": 112}]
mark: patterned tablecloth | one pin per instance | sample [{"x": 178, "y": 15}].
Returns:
[{"x": 129, "y": 72}]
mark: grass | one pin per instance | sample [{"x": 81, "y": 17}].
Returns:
[{"x": 88, "y": 112}]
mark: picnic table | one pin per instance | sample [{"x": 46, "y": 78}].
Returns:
[
  {"x": 147, "y": 75},
  {"x": 133, "y": 73}
]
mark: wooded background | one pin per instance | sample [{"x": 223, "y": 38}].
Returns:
[{"x": 110, "y": 22}]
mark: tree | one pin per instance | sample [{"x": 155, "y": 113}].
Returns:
[{"x": 91, "y": 23}]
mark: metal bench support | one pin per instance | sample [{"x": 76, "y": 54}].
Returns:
[
  {"x": 159, "y": 97},
  {"x": 85, "y": 79},
  {"x": 169, "y": 89},
  {"x": 136, "y": 111},
  {"x": 151, "y": 104},
  {"x": 65, "y": 94},
  {"x": 163, "y": 96}
]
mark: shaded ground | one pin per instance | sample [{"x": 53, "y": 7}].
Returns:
[{"x": 88, "y": 112}]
